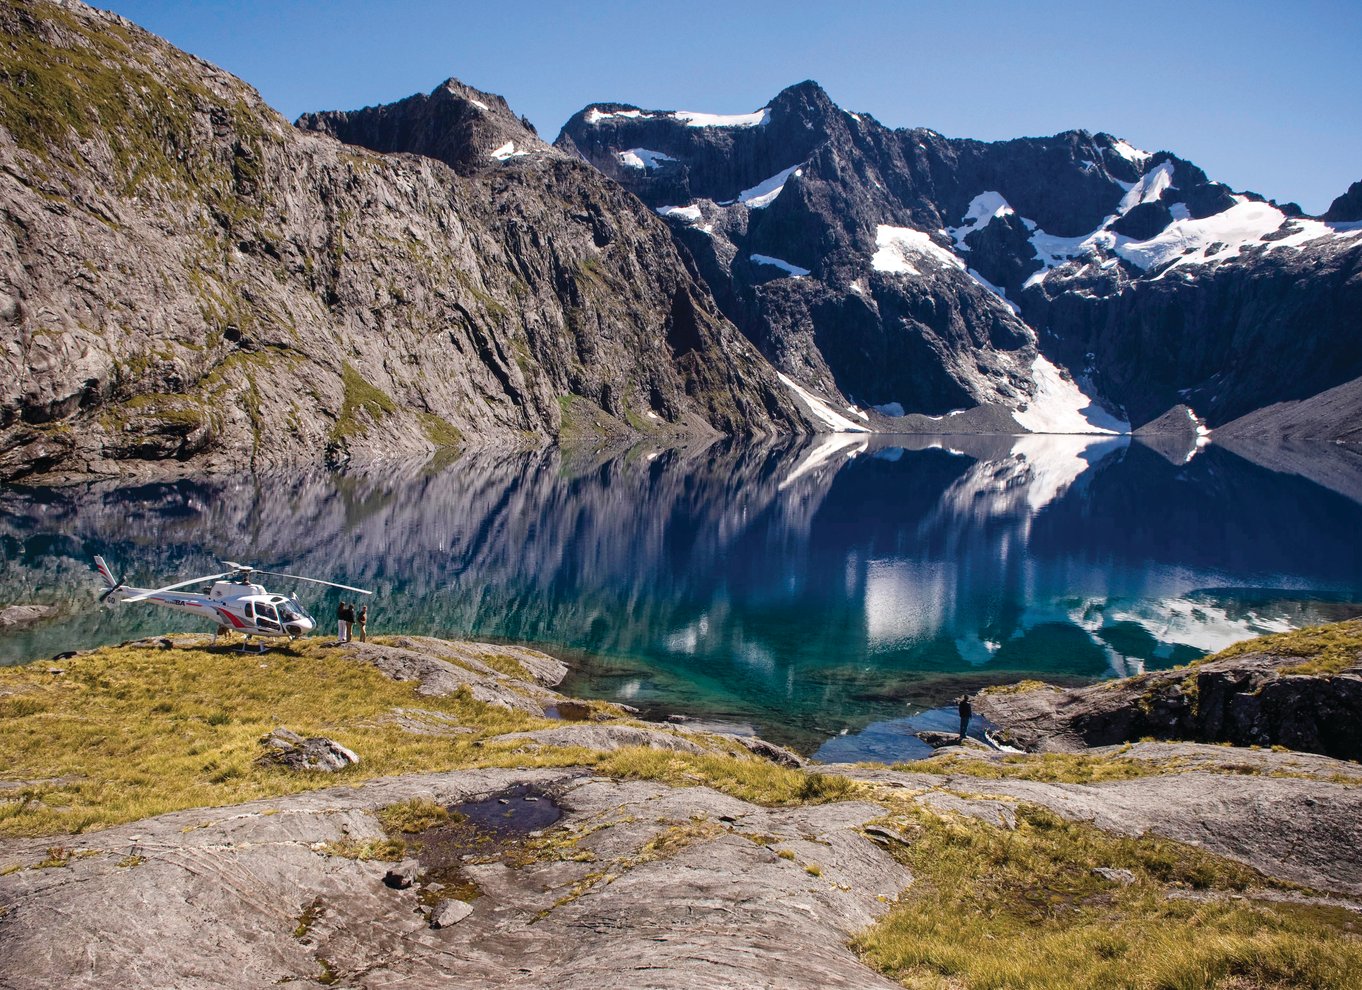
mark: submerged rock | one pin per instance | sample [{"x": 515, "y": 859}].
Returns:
[{"x": 12, "y": 616}]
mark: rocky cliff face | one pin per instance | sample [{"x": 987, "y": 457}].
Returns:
[
  {"x": 910, "y": 270},
  {"x": 185, "y": 278},
  {"x": 1253, "y": 699}
]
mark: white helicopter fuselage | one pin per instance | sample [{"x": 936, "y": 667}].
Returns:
[{"x": 244, "y": 608}]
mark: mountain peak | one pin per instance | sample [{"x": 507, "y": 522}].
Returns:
[
  {"x": 464, "y": 127},
  {"x": 1347, "y": 207},
  {"x": 806, "y": 99}
]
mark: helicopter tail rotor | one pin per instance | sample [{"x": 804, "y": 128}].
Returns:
[{"x": 107, "y": 575}]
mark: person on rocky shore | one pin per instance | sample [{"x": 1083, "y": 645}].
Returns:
[
  {"x": 342, "y": 626},
  {"x": 966, "y": 712},
  {"x": 363, "y": 622}
]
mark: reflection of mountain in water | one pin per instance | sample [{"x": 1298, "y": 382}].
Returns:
[{"x": 819, "y": 584}]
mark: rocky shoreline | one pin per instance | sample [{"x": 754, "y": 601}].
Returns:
[
  {"x": 575, "y": 875},
  {"x": 1261, "y": 695}
]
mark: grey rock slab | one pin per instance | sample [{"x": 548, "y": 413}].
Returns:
[
  {"x": 1292, "y": 828},
  {"x": 423, "y": 663},
  {"x": 675, "y": 887},
  {"x": 605, "y": 737}
]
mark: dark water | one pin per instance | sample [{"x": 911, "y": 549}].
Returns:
[{"x": 809, "y": 590}]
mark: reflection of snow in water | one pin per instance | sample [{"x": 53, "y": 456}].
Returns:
[
  {"x": 1197, "y": 623},
  {"x": 1038, "y": 469},
  {"x": 828, "y": 445},
  {"x": 1171, "y": 621},
  {"x": 975, "y": 650}
]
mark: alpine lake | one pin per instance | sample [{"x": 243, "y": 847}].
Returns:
[{"x": 832, "y": 593}]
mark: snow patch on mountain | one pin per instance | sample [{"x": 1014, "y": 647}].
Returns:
[
  {"x": 764, "y": 193},
  {"x": 766, "y": 259},
  {"x": 820, "y": 409},
  {"x": 981, "y": 212},
  {"x": 1053, "y": 251},
  {"x": 688, "y": 213},
  {"x": 1059, "y": 406},
  {"x": 901, "y": 249},
  {"x": 480, "y": 105},
  {"x": 1130, "y": 153},
  {"x": 643, "y": 158},
  {"x": 506, "y": 151},
  {"x": 595, "y": 115},
  {"x": 1220, "y": 237},
  {"x": 1149, "y": 188},
  {"x": 757, "y": 118}
]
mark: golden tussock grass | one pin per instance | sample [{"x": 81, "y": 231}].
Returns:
[
  {"x": 126, "y": 733},
  {"x": 1057, "y": 768},
  {"x": 993, "y": 908},
  {"x": 1324, "y": 650}
]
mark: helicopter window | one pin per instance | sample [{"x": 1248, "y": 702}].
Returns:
[
  {"x": 266, "y": 617},
  {"x": 288, "y": 614},
  {"x": 250, "y": 611}
]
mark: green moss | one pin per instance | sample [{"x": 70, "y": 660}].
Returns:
[
  {"x": 364, "y": 405},
  {"x": 442, "y": 433},
  {"x": 490, "y": 304},
  {"x": 65, "y": 78}
]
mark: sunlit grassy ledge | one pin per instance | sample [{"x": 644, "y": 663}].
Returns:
[
  {"x": 998, "y": 890},
  {"x": 124, "y": 733}
]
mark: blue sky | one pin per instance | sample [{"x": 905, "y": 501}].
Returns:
[{"x": 1262, "y": 95}]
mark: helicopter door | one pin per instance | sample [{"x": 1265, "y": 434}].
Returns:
[{"x": 267, "y": 619}]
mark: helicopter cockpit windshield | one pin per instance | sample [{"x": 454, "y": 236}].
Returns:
[{"x": 292, "y": 611}]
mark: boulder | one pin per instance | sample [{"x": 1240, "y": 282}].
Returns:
[
  {"x": 286, "y": 748},
  {"x": 448, "y": 913}
]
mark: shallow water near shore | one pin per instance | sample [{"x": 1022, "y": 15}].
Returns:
[{"x": 807, "y": 590}]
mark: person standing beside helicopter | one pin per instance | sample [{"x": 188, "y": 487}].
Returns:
[
  {"x": 363, "y": 621},
  {"x": 341, "y": 628}
]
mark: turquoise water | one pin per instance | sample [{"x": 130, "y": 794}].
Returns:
[{"x": 819, "y": 590}]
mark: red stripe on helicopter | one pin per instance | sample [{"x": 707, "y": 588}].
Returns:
[{"x": 231, "y": 618}]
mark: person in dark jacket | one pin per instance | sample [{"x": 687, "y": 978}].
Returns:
[
  {"x": 341, "y": 629},
  {"x": 966, "y": 712},
  {"x": 349, "y": 619},
  {"x": 363, "y": 622}
]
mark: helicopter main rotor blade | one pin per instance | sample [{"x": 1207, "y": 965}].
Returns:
[
  {"x": 299, "y": 577},
  {"x": 183, "y": 584}
]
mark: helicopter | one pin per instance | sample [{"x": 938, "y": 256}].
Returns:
[{"x": 234, "y": 602}]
